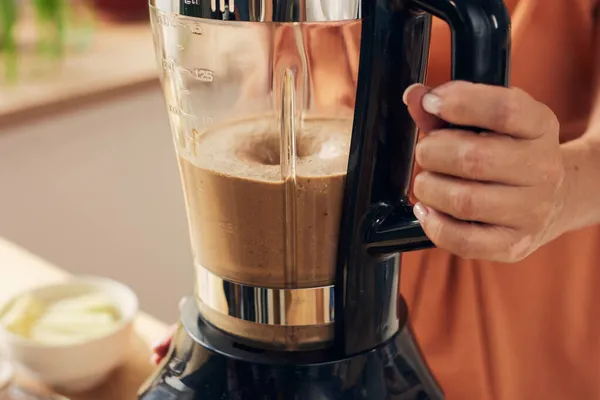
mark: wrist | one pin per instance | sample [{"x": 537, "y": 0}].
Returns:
[{"x": 574, "y": 200}]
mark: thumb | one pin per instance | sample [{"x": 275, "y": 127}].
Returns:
[{"x": 413, "y": 98}]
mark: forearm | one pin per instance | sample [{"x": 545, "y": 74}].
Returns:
[{"x": 580, "y": 195}]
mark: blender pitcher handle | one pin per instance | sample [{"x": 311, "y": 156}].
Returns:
[
  {"x": 480, "y": 54},
  {"x": 377, "y": 218},
  {"x": 480, "y": 38}
]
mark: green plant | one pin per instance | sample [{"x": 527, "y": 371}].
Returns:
[
  {"x": 51, "y": 17},
  {"x": 53, "y": 20},
  {"x": 8, "y": 45}
]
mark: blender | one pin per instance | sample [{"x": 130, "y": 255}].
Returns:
[{"x": 295, "y": 153}]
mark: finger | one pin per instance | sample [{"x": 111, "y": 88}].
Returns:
[
  {"x": 474, "y": 201},
  {"x": 472, "y": 240},
  {"x": 161, "y": 348},
  {"x": 480, "y": 157},
  {"x": 510, "y": 111},
  {"x": 413, "y": 97}
]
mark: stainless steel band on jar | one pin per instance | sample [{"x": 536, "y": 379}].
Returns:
[
  {"x": 283, "y": 307},
  {"x": 263, "y": 10}
]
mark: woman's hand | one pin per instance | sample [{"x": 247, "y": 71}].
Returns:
[
  {"x": 494, "y": 195},
  {"x": 161, "y": 348}
]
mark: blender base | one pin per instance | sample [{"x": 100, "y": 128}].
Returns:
[{"x": 205, "y": 363}]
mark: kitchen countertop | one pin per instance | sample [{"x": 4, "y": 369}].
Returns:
[
  {"x": 21, "y": 270},
  {"x": 120, "y": 58}
]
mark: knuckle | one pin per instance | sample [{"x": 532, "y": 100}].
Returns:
[
  {"x": 444, "y": 237},
  {"x": 436, "y": 233},
  {"x": 472, "y": 161},
  {"x": 519, "y": 249},
  {"x": 421, "y": 154},
  {"x": 420, "y": 186},
  {"x": 465, "y": 247},
  {"x": 456, "y": 95},
  {"x": 538, "y": 216},
  {"x": 458, "y": 107},
  {"x": 461, "y": 202},
  {"x": 551, "y": 122},
  {"x": 508, "y": 110},
  {"x": 462, "y": 248}
]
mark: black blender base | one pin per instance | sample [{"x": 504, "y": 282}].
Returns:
[{"x": 207, "y": 364}]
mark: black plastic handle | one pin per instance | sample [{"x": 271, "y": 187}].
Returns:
[
  {"x": 480, "y": 54},
  {"x": 377, "y": 218},
  {"x": 480, "y": 38}
]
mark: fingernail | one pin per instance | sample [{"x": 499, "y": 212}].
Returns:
[
  {"x": 408, "y": 90},
  {"x": 420, "y": 212},
  {"x": 432, "y": 103}
]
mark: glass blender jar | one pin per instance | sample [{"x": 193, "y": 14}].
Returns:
[{"x": 295, "y": 153}]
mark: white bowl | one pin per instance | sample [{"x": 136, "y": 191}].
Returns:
[{"x": 76, "y": 367}]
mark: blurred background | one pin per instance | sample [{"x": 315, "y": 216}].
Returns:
[{"x": 88, "y": 175}]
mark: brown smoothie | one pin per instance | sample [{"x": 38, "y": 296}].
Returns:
[{"x": 257, "y": 220}]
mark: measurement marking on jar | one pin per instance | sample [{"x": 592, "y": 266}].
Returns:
[
  {"x": 179, "y": 112},
  {"x": 194, "y": 140},
  {"x": 194, "y": 27},
  {"x": 172, "y": 21},
  {"x": 206, "y": 120},
  {"x": 201, "y": 74},
  {"x": 168, "y": 20},
  {"x": 204, "y": 75},
  {"x": 168, "y": 65}
]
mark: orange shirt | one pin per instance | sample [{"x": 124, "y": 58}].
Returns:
[{"x": 529, "y": 330}]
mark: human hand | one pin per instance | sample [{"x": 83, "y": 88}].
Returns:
[
  {"x": 495, "y": 195},
  {"x": 161, "y": 348}
]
